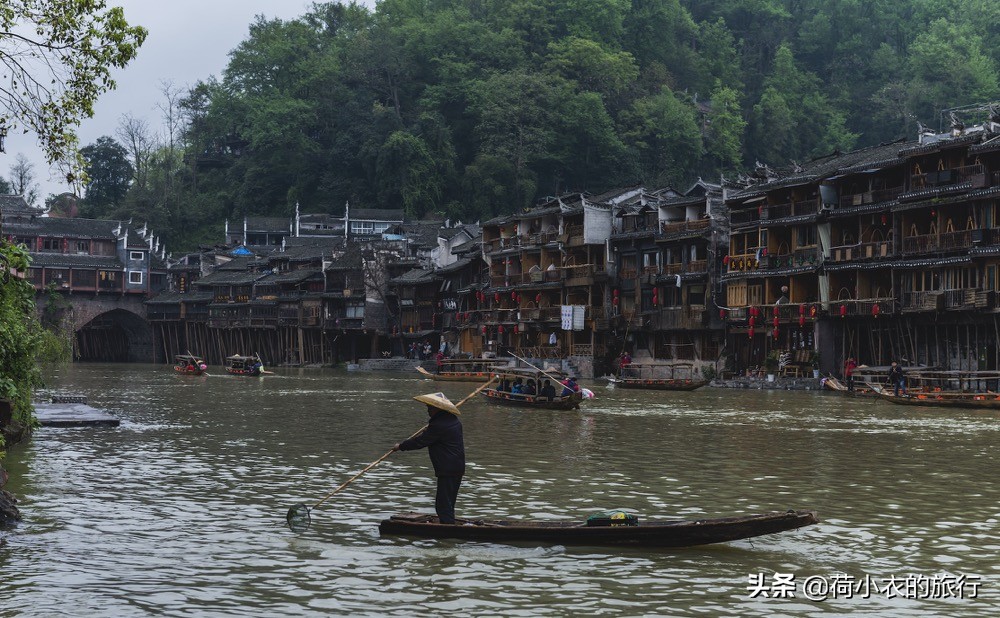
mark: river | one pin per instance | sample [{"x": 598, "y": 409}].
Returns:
[{"x": 180, "y": 510}]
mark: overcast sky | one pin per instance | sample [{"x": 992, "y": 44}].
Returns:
[{"x": 189, "y": 40}]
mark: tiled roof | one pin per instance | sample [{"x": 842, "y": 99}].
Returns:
[
  {"x": 266, "y": 224},
  {"x": 413, "y": 277},
  {"x": 65, "y": 228},
  {"x": 66, "y": 260},
  {"x": 375, "y": 214}
]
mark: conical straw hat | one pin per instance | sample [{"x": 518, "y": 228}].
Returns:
[{"x": 439, "y": 401}]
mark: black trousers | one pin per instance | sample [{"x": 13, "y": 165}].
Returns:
[{"x": 447, "y": 494}]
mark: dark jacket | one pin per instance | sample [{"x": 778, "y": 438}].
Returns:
[
  {"x": 895, "y": 374},
  {"x": 443, "y": 439}
]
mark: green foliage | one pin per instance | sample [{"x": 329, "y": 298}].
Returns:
[
  {"x": 109, "y": 174},
  {"x": 57, "y": 65},
  {"x": 477, "y": 108},
  {"x": 21, "y": 336}
]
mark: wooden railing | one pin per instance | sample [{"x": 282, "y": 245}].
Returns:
[
  {"x": 862, "y": 251},
  {"x": 871, "y": 197},
  {"x": 684, "y": 226}
]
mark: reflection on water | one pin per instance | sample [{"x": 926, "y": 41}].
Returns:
[{"x": 179, "y": 511}]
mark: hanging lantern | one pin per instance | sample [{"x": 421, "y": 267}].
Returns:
[
  {"x": 725, "y": 260},
  {"x": 496, "y": 297},
  {"x": 515, "y": 329},
  {"x": 775, "y": 334},
  {"x": 754, "y": 311},
  {"x": 885, "y": 220},
  {"x": 538, "y": 299},
  {"x": 484, "y": 330},
  {"x": 763, "y": 252},
  {"x": 843, "y": 311},
  {"x": 775, "y": 311},
  {"x": 722, "y": 314},
  {"x": 812, "y": 311},
  {"x": 802, "y": 321},
  {"x": 614, "y": 301},
  {"x": 750, "y": 332},
  {"x": 775, "y": 323},
  {"x": 875, "y": 310},
  {"x": 802, "y": 309},
  {"x": 513, "y": 295},
  {"x": 753, "y": 321},
  {"x": 500, "y": 329},
  {"x": 615, "y": 293}
]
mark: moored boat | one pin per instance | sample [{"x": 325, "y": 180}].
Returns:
[
  {"x": 458, "y": 370},
  {"x": 651, "y": 377},
  {"x": 861, "y": 389},
  {"x": 506, "y": 390},
  {"x": 238, "y": 365},
  {"x": 982, "y": 401},
  {"x": 642, "y": 534},
  {"x": 189, "y": 364}
]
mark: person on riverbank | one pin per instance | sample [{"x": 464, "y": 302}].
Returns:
[
  {"x": 849, "y": 368},
  {"x": 445, "y": 444},
  {"x": 896, "y": 378}
]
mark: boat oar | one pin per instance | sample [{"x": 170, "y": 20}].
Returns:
[
  {"x": 261, "y": 361},
  {"x": 526, "y": 362},
  {"x": 298, "y": 517}
]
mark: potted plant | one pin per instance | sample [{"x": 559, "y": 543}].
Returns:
[
  {"x": 814, "y": 359},
  {"x": 771, "y": 364}
]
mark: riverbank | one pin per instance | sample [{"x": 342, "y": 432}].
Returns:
[{"x": 13, "y": 432}]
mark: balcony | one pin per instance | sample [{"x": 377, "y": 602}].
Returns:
[
  {"x": 931, "y": 243},
  {"x": 974, "y": 174},
  {"x": 585, "y": 274},
  {"x": 862, "y": 251},
  {"x": 745, "y": 217},
  {"x": 692, "y": 317},
  {"x": 917, "y": 302},
  {"x": 684, "y": 227},
  {"x": 574, "y": 235},
  {"x": 870, "y": 197}
]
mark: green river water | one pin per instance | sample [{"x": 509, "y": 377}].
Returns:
[{"x": 180, "y": 510}]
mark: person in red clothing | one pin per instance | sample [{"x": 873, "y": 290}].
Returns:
[
  {"x": 440, "y": 361},
  {"x": 849, "y": 368}
]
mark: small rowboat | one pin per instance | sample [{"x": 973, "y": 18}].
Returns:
[
  {"x": 502, "y": 391},
  {"x": 981, "y": 401},
  {"x": 643, "y": 534},
  {"x": 662, "y": 384},
  {"x": 244, "y": 365},
  {"x": 189, "y": 365},
  {"x": 650, "y": 376},
  {"x": 461, "y": 371}
]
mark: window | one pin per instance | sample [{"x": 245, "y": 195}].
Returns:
[
  {"x": 82, "y": 246},
  {"x": 805, "y": 235},
  {"x": 52, "y": 244},
  {"x": 136, "y": 255},
  {"x": 355, "y": 310},
  {"x": 135, "y": 277}
]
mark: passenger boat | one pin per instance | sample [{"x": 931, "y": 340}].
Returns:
[
  {"x": 189, "y": 364},
  {"x": 642, "y": 534},
  {"x": 459, "y": 370},
  {"x": 930, "y": 387},
  {"x": 244, "y": 365},
  {"x": 650, "y": 377},
  {"x": 500, "y": 391}
]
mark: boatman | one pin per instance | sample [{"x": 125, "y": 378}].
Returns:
[{"x": 446, "y": 446}]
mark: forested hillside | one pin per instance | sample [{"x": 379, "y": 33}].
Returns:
[{"x": 469, "y": 108}]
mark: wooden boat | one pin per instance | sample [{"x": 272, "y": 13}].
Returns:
[
  {"x": 189, "y": 364},
  {"x": 982, "y": 401},
  {"x": 500, "y": 392},
  {"x": 861, "y": 389},
  {"x": 643, "y": 534},
  {"x": 244, "y": 365},
  {"x": 457, "y": 370},
  {"x": 649, "y": 377}
]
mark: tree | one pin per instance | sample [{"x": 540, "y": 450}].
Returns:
[
  {"x": 109, "y": 175},
  {"x": 57, "y": 57},
  {"x": 22, "y": 179}
]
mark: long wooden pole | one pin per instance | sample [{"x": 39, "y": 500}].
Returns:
[
  {"x": 536, "y": 367},
  {"x": 391, "y": 451}
]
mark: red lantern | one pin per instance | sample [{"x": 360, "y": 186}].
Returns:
[
  {"x": 484, "y": 330},
  {"x": 615, "y": 294},
  {"x": 753, "y": 321},
  {"x": 538, "y": 299},
  {"x": 843, "y": 310},
  {"x": 884, "y": 220},
  {"x": 513, "y": 295},
  {"x": 802, "y": 321},
  {"x": 763, "y": 252},
  {"x": 802, "y": 309},
  {"x": 754, "y": 311},
  {"x": 496, "y": 297},
  {"x": 776, "y": 323},
  {"x": 875, "y": 310},
  {"x": 500, "y": 329},
  {"x": 614, "y": 301},
  {"x": 725, "y": 260},
  {"x": 750, "y": 332},
  {"x": 776, "y": 334},
  {"x": 775, "y": 311},
  {"x": 515, "y": 329},
  {"x": 722, "y": 314}
]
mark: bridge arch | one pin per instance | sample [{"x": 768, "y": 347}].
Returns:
[{"x": 118, "y": 335}]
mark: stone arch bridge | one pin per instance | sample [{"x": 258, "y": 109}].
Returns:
[{"x": 107, "y": 328}]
